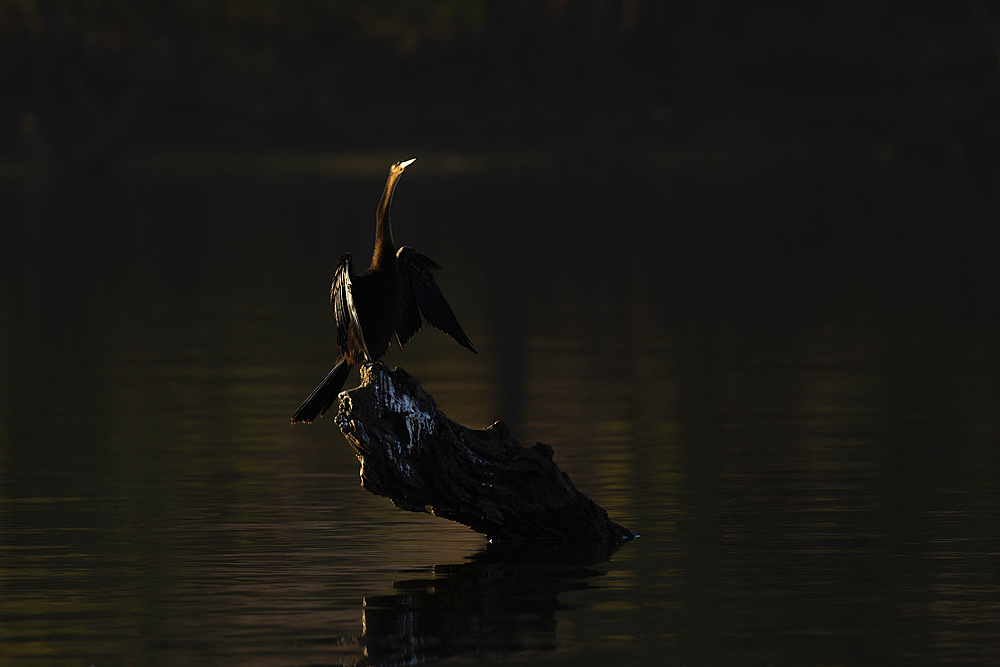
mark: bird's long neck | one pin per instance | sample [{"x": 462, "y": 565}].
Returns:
[{"x": 384, "y": 256}]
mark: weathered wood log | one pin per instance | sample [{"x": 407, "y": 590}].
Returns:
[{"x": 411, "y": 453}]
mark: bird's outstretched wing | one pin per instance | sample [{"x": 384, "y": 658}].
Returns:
[
  {"x": 422, "y": 296},
  {"x": 342, "y": 300}
]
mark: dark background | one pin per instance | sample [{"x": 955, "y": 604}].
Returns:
[{"x": 84, "y": 81}]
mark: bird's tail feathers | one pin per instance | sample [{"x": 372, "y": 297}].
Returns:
[{"x": 324, "y": 395}]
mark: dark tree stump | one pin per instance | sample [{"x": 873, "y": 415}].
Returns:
[{"x": 411, "y": 453}]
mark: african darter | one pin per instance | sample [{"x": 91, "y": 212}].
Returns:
[{"x": 382, "y": 304}]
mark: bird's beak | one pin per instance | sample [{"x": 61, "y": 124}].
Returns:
[{"x": 404, "y": 165}]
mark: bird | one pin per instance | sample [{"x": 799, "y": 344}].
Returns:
[{"x": 383, "y": 304}]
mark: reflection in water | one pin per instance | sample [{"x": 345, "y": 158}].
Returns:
[{"x": 503, "y": 600}]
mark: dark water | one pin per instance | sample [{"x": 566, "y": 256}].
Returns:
[{"x": 785, "y": 379}]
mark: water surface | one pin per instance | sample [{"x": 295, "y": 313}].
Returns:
[{"x": 785, "y": 380}]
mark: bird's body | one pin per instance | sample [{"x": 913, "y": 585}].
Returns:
[
  {"x": 378, "y": 299},
  {"x": 381, "y": 304}
]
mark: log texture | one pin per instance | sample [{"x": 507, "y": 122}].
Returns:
[{"x": 411, "y": 453}]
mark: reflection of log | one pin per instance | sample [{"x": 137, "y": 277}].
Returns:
[
  {"x": 414, "y": 455},
  {"x": 503, "y": 600}
]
